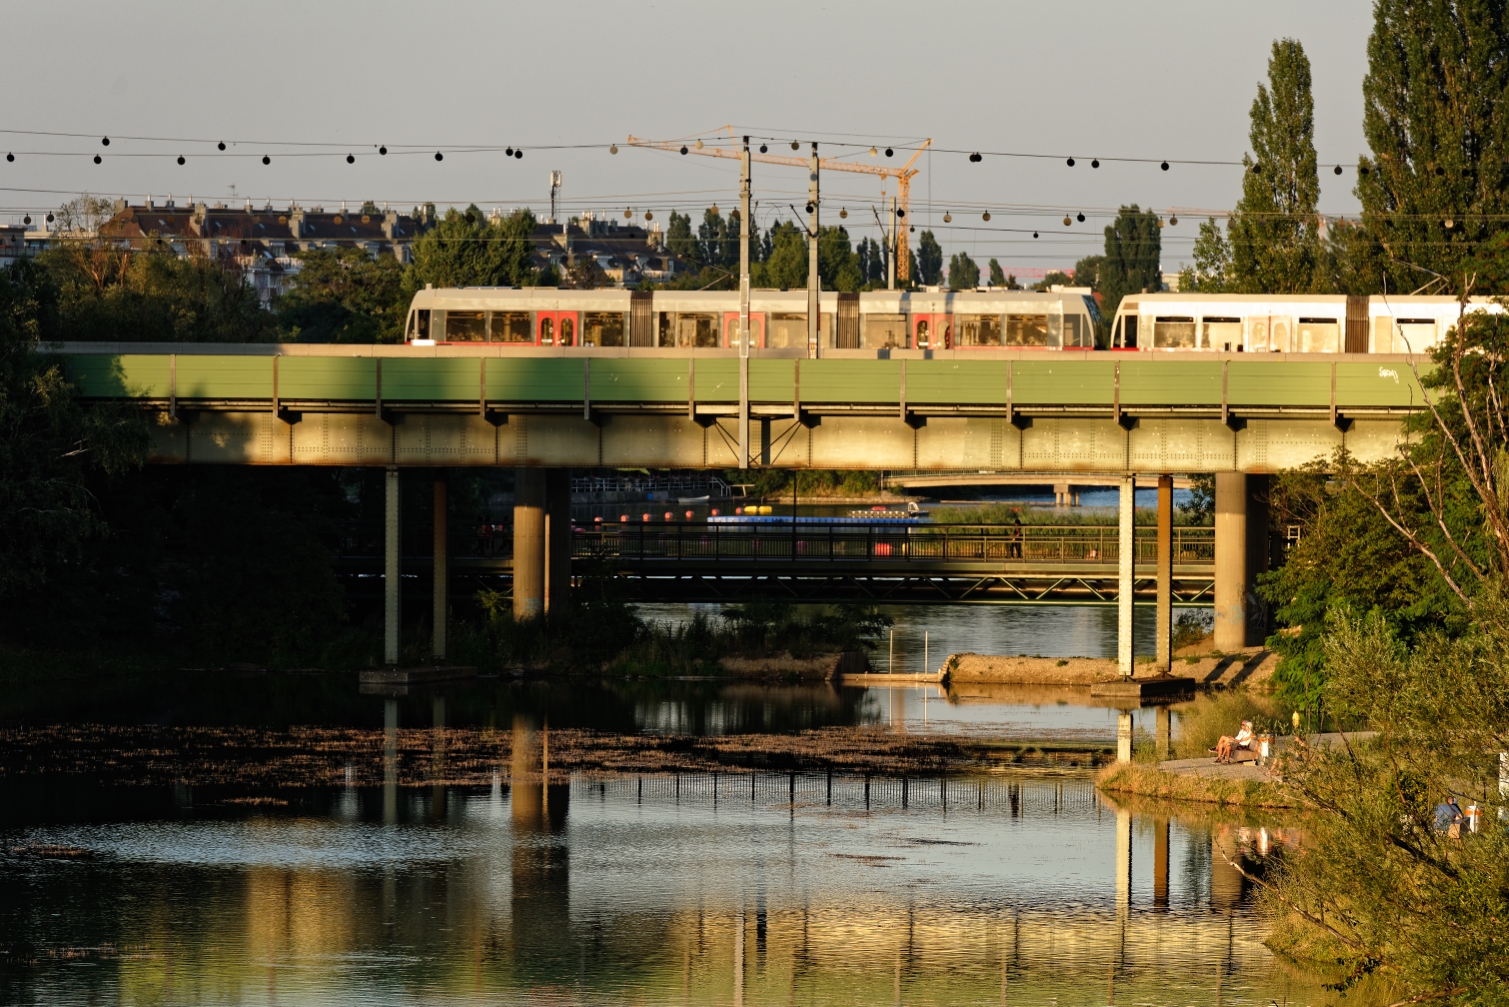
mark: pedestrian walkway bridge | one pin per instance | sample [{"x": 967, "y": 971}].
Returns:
[{"x": 1034, "y": 412}]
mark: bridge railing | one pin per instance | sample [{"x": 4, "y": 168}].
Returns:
[{"x": 1051, "y": 544}]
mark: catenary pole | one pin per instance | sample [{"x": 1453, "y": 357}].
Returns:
[
  {"x": 744, "y": 307},
  {"x": 813, "y": 283}
]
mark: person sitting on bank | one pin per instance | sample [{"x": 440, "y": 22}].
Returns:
[
  {"x": 1243, "y": 740},
  {"x": 1449, "y": 814}
]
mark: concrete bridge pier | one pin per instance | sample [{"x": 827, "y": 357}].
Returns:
[
  {"x": 529, "y": 544},
  {"x": 1241, "y": 554},
  {"x": 1165, "y": 618},
  {"x": 442, "y": 568},
  {"x": 557, "y": 539},
  {"x": 1127, "y": 555},
  {"x": 392, "y": 567}
]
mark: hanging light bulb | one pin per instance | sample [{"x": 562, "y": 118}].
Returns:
[
  {"x": 180, "y": 158},
  {"x": 763, "y": 148},
  {"x": 350, "y": 158},
  {"x": 1362, "y": 170},
  {"x": 1034, "y": 234},
  {"x": 901, "y": 213},
  {"x": 1080, "y": 217},
  {"x": 26, "y": 219},
  {"x": 1338, "y": 170},
  {"x": 889, "y": 152},
  {"x": 221, "y": 144},
  {"x": 266, "y": 159},
  {"x": 648, "y": 215},
  {"x": 913, "y": 229},
  {"x": 715, "y": 209},
  {"x": 843, "y": 213},
  {"x": 1067, "y": 221},
  {"x": 10, "y": 157},
  {"x": 683, "y": 149},
  {"x": 50, "y": 218},
  {"x": 613, "y": 148},
  {"x": 383, "y": 150},
  {"x": 519, "y": 153},
  {"x": 439, "y": 156},
  {"x": 948, "y": 218},
  {"x": 872, "y": 152},
  {"x": 1165, "y": 166},
  {"x": 96, "y": 159},
  {"x": 810, "y": 208},
  {"x": 1449, "y": 223},
  {"x": 628, "y": 214},
  {"x": 698, "y": 145},
  {"x": 985, "y": 216},
  {"x": 508, "y": 152},
  {"x": 1162, "y": 223},
  {"x": 105, "y": 140},
  {"x": 1070, "y": 162},
  {"x": 1257, "y": 169},
  {"x": 1173, "y": 220},
  {"x": 1095, "y": 163}
]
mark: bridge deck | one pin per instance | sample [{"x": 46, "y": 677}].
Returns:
[{"x": 1068, "y": 411}]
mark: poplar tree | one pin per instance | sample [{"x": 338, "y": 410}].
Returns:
[
  {"x": 1435, "y": 121},
  {"x": 929, "y": 260},
  {"x": 963, "y": 272},
  {"x": 1134, "y": 248},
  {"x": 1274, "y": 234}
]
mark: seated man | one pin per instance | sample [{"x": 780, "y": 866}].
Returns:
[{"x": 1242, "y": 741}]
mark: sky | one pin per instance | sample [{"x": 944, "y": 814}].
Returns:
[{"x": 563, "y": 80}]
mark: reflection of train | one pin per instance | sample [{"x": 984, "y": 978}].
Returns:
[
  {"x": 562, "y": 321},
  {"x": 1271, "y": 323}
]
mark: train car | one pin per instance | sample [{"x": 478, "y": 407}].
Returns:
[
  {"x": 1298, "y": 323},
  {"x": 549, "y": 320}
]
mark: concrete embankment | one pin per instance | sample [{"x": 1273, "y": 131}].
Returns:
[{"x": 1251, "y": 667}]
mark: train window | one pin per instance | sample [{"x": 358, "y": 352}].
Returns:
[
  {"x": 1127, "y": 337},
  {"x": 787, "y": 330},
  {"x": 465, "y": 326},
  {"x": 1280, "y": 329},
  {"x": 421, "y": 324},
  {"x": 922, "y": 340},
  {"x": 511, "y": 327},
  {"x": 883, "y": 332},
  {"x": 1026, "y": 330},
  {"x": 981, "y": 330},
  {"x": 568, "y": 331},
  {"x": 547, "y": 331},
  {"x": 1173, "y": 333},
  {"x": 1403, "y": 335},
  {"x": 731, "y": 330},
  {"x": 686, "y": 330},
  {"x": 1223, "y": 334},
  {"x": 603, "y": 328},
  {"x": 1078, "y": 331},
  {"x": 1319, "y": 335}
]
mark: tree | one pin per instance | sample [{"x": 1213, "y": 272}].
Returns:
[
  {"x": 837, "y": 266},
  {"x": 1437, "y": 181},
  {"x": 50, "y": 447},
  {"x": 344, "y": 296},
  {"x": 585, "y": 273},
  {"x": 785, "y": 267},
  {"x": 929, "y": 260},
  {"x": 1133, "y": 249},
  {"x": 1274, "y": 237},
  {"x": 1087, "y": 271},
  {"x": 870, "y": 258},
  {"x": 1211, "y": 273},
  {"x": 465, "y": 249},
  {"x": 963, "y": 272},
  {"x": 679, "y": 240},
  {"x": 718, "y": 240},
  {"x": 1054, "y": 278},
  {"x": 997, "y": 274}
]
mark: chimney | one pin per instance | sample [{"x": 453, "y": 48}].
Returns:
[
  {"x": 149, "y": 202},
  {"x": 295, "y": 222}
]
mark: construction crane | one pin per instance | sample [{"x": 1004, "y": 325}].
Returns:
[{"x": 903, "y": 175}]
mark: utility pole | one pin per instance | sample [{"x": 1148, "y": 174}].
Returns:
[
  {"x": 813, "y": 283},
  {"x": 555, "y": 191},
  {"x": 895, "y": 248},
  {"x": 744, "y": 307}
]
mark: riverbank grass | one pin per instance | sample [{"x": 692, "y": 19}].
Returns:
[{"x": 1150, "y": 781}]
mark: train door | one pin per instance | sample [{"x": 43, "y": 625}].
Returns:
[
  {"x": 557, "y": 328},
  {"x": 756, "y": 330},
  {"x": 933, "y": 331}
]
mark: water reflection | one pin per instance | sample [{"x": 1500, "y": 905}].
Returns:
[{"x": 775, "y": 888}]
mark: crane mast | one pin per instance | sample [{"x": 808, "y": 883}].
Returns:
[{"x": 903, "y": 176}]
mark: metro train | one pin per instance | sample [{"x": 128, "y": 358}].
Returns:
[
  {"x": 565, "y": 321},
  {"x": 546, "y": 320},
  {"x": 1299, "y": 323}
]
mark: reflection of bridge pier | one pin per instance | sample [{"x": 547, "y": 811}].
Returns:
[{"x": 541, "y": 916}]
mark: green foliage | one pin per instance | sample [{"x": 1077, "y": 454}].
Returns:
[
  {"x": 680, "y": 241},
  {"x": 929, "y": 262},
  {"x": 51, "y": 450},
  {"x": 108, "y": 293},
  {"x": 997, "y": 274},
  {"x": 1054, "y": 278},
  {"x": 1274, "y": 239},
  {"x": 466, "y": 249},
  {"x": 963, "y": 272},
  {"x": 1211, "y": 273},
  {"x": 785, "y": 266},
  {"x": 1133, "y": 250},
  {"x": 1437, "y": 181},
  {"x": 1087, "y": 271},
  {"x": 1394, "y": 894},
  {"x": 344, "y": 296},
  {"x": 870, "y": 258}
]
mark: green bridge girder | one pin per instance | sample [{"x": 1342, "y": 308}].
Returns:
[{"x": 1031, "y": 411}]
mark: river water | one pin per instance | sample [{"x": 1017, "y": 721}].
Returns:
[{"x": 1008, "y": 886}]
